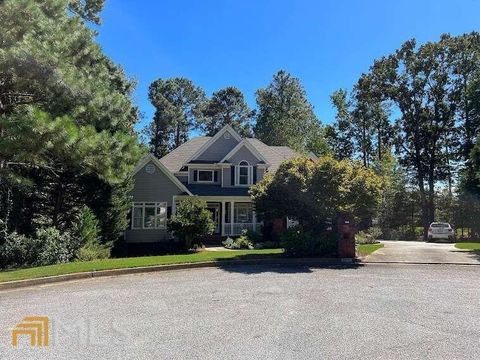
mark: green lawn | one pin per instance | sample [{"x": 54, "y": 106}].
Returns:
[
  {"x": 367, "y": 249},
  {"x": 107, "y": 264},
  {"x": 472, "y": 246}
]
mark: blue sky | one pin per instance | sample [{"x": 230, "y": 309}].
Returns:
[{"x": 327, "y": 44}]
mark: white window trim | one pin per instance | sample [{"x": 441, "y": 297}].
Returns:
[
  {"x": 244, "y": 206},
  {"x": 205, "y": 181},
  {"x": 142, "y": 206},
  {"x": 237, "y": 174}
]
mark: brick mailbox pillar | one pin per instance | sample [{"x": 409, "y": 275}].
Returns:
[{"x": 346, "y": 241}]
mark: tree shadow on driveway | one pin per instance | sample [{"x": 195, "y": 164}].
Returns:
[
  {"x": 472, "y": 254},
  {"x": 282, "y": 268}
]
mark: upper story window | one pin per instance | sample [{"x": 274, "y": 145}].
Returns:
[
  {"x": 243, "y": 174},
  {"x": 205, "y": 175}
]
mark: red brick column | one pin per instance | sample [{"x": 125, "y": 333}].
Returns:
[{"x": 346, "y": 239}]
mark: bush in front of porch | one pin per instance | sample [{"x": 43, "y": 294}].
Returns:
[
  {"x": 191, "y": 221},
  {"x": 315, "y": 193}
]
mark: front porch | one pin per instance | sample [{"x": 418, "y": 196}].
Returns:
[{"x": 231, "y": 215}]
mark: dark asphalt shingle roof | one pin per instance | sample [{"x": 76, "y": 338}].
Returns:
[
  {"x": 174, "y": 160},
  {"x": 274, "y": 155},
  {"x": 216, "y": 190}
]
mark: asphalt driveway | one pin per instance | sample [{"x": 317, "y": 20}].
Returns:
[
  {"x": 422, "y": 252},
  {"x": 374, "y": 311}
]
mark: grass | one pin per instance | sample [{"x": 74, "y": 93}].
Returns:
[
  {"x": 121, "y": 263},
  {"x": 367, "y": 249},
  {"x": 472, "y": 246}
]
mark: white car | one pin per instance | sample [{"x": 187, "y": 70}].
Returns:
[{"x": 438, "y": 230}]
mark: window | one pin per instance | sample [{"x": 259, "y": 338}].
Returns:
[
  {"x": 205, "y": 175},
  {"x": 243, "y": 173},
  {"x": 243, "y": 213},
  {"x": 151, "y": 215}
]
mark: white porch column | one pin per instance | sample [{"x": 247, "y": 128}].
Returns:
[
  {"x": 232, "y": 217},
  {"x": 223, "y": 219},
  {"x": 254, "y": 220}
]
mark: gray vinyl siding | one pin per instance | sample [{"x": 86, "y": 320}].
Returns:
[
  {"x": 192, "y": 178},
  {"x": 244, "y": 154},
  {"x": 156, "y": 187},
  {"x": 218, "y": 149},
  {"x": 227, "y": 182}
]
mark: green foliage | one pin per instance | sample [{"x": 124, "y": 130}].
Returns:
[
  {"x": 247, "y": 240},
  {"x": 241, "y": 242},
  {"x": 300, "y": 243},
  {"x": 56, "y": 247},
  {"x": 18, "y": 250},
  {"x": 226, "y": 107},
  {"x": 285, "y": 117},
  {"x": 86, "y": 232},
  {"x": 191, "y": 221},
  {"x": 87, "y": 9},
  {"x": 66, "y": 118},
  {"x": 314, "y": 192},
  {"x": 178, "y": 104},
  {"x": 369, "y": 236}
]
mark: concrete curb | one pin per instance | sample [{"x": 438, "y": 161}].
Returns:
[
  {"x": 137, "y": 270},
  {"x": 417, "y": 263}
]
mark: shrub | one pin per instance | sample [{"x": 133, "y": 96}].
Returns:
[
  {"x": 369, "y": 236},
  {"x": 56, "y": 247},
  {"x": 86, "y": 232},
  {"x": 191, "y": 221},
  {"x": 376, "y": 232},
  {"x": 18, "y": 250},
  {"x": 241, "y": 242},
  {"x": 93, "y": 252},
  {"x": 298, "y": 242},
  {"x": 267, "y": 245}
]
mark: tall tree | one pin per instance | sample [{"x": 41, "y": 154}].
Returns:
[
  {"x": 226, "y": 106},
  {"x": 340, "y": 134},
  {"x": 361, "y": 124},
  {"x": 416, "y": 80},
  {"x": 285, "y": 117},
  {"x": 66, "y": 116},
  {"x": 178, "y": 104}
]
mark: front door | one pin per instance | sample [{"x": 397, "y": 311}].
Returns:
[{"x": 215, "y": 210}]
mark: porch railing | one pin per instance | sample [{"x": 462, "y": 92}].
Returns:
[{"x": 237, "y": 228}]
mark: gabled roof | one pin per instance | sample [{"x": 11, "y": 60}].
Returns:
[
  {"x": 271, "y": 155},
  {"x": 175, "y": 159},
  {"x": 214, "y": 138},
  {"x": 275, "y": 155},
  {"x": 249, "y": 146},
  {"x": 147, "y": 158}
]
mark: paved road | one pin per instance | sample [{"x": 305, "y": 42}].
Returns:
[
  {"x": 416, "y": 251},
  {"x": 373, "y": 311}
]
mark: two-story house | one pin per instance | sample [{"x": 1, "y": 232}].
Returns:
[{"x": 219, "y": 169}]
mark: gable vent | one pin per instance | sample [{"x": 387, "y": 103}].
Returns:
[{"x": 150, "y": 169}]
